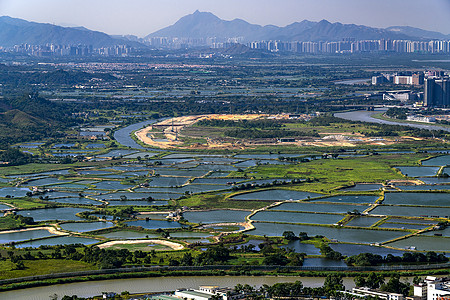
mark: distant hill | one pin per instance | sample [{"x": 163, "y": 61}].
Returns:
[
  {"x": 207, "y": 25},
  {"x": 15, "y": 31},
  {"x": 417, "y": 32},
  {"x": 30, "y": 117},
  {"x": 18, "y": 77}
]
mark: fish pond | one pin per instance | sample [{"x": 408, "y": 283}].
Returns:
[
  {"x": 60, "y": 213},
  {"x": 354, "y": 249},
  {"x": 423, "y": 243},
  {"x": 216, "y": 216},
  {"x": 276, "y": 195},
  {"x": 84, "y": 226},
  {"x": 443, "y": 160},
  {"x": 296, "y": 217},
  {"x": 418, "y": 171},
  {"x": 23, "y": 235},
  {"x": 300, "y": 247},
  {"x": 363, "y": 221},
  {"x": 60, "y": 240},
  {"x": 341, "y": 234},
  {"x": 426, "y": 199},
  {"x": 350, "y": 199},
  {"x": 411, "y": 211},
  {"x": 154, "y": 224},
  {"x": 319, "y": 207},
  {"x": 132, "y": 235}
]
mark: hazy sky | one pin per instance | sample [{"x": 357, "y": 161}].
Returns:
[{"x": 141, "y": 17}]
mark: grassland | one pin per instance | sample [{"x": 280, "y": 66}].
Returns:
[
  {"x": 40, "y": 267},
  {"x": 143, "y": 247},
  {"x": 22, "y": 203},
  {"x": 9, "y": 223},
  {"x": 210, "y": 200}
]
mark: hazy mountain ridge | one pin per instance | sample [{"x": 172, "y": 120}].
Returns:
[
  {"x": 15, "y": 31},
  {"x": 417, "y": 32},
  {"x": 203, "y": 25},
  {"x": 206, "y": 25}
]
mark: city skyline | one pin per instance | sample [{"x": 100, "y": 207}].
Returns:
[{"x": 140, "y": 17}]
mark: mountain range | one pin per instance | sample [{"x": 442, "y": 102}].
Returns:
[
  {"x": 207, "y": 25},
  {"x": 203, "y": 25},
  {"x": 15, "y": 31}
]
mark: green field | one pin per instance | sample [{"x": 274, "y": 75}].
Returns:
[
  {"x": 40, "y": 267},
  {"x": 331, "y": 173},
  {"x": 141, "y": 246},
  {"x": 22, "y": 203}
]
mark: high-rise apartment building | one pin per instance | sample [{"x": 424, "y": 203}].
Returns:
[{"x": 437, "y": 92}]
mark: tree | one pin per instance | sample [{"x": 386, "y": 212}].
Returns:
[
  {"x": 303, "y": 236},
  {"x": 276, "y": 259},
  {"x": 394, "y": 285},
  {"x": 333, "y": 283},
  {"x": 417, "y": 280},
  {"x": 289, "y": 235},
  {"x": 187, "y": 259},
  {"x": 374, "y": 280},
  {"x": 19, "y": 265},
  {"x": 360, "y": 281}
]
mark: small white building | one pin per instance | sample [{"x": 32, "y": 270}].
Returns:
[
  {"x": 434, "y": 289},
  {"x": 424, "y": 119},
  {"x": 193, "y": 295},
  {"x": 206, "y": 292},
  {"x": 365, "y": 291}
]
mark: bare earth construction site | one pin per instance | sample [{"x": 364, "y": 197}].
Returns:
[{"x": 189, "y": 132}]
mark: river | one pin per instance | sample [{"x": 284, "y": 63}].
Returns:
[
  {"x": 366, "y": 116},
  {"x": 123, "y": 136},
  {"x": 155, "y": 284},
  {"x": 353, "y": 81}
]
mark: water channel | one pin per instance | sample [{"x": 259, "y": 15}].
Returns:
[
  {"x": 156, "y": 284},
  {"x": 366, "y": 116},
  {"x": 123, "y": 136}
]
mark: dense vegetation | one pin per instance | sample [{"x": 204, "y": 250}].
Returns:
[
  {"x": 370, "y": 259},
  {"x": 30, "y": 117}
]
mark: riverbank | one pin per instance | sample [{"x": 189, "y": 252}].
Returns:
[
  {"x": 367, "y": 116},
  {"x": 166, "y": 280}
]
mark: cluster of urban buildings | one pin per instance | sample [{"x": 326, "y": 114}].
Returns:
[
  {"x": 437, "y": 92},
  {"x": 431, "y": 288},
  {"x": 347, "y": 45},
  {"x": 436, "y": 87},
  {"x": 50, "y": 50},
  {"x": 403, "y": 78},
  {"x": 354, "y": 46}
]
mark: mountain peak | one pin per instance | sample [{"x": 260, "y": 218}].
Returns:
[
  {"x": 324, "y": 22},
  {"x": 204, "y": 25}
]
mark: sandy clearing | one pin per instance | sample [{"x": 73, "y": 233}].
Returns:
[
  {"x": 49, "y": 229},
  {"x": 173, "y": 127},
  {"x": 246, "y": 225},
  {"x": 173, "y": 245}
]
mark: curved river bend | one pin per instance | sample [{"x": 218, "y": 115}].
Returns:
[
  {"x": 366, "y": 116},
  {"x": 123, "y": 136}
]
